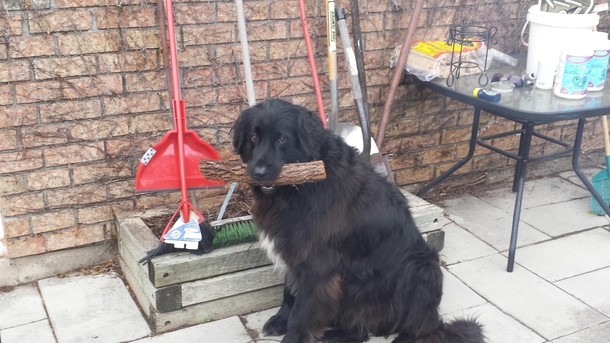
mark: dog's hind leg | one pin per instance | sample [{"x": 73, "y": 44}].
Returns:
[
  {"x": 276, "y": 325},
  {"x": 344, "y": 336}
]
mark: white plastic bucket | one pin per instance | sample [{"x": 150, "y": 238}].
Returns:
[{"x": 550, "y": 32}]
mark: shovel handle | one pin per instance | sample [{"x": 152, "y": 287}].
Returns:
[{"x": 606, "y": 137}]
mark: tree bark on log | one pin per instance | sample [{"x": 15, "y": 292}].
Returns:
[{"x": 291, "y": 174}]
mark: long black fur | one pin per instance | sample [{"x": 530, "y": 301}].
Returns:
[{"x": 353, "y": 257}]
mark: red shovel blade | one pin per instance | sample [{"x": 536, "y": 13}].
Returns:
[{"x": 159, "y": 170}]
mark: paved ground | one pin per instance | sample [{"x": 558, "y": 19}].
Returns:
[{"x": 559, "y": 291}]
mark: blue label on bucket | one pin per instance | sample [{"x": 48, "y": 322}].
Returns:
[
  {"x": 599, "y": 68},
  {"x": 575, "y": 76}
]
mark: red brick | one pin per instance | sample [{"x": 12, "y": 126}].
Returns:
[
  {"x": 128, "y": 61},
  {"x": 231, "y": 94},
  {"x": 30, "y": 46},
  {"x": 11, "y": 24},
  {"x": 99, "y": 129},
  {"x": 398, "y": 162},
  {"x": 18, "y": 70},
  {"x": 57, "y": 21},
  {"x": 214, "y": 115},
  {"x": 270, "y": 70},
  {"x": 92, "y": 86},
  {"x": 26, "y": 246},
  {"x": 69, "y": 110},
  {"x": 372, "y": 22},
  {"x": 85, "y": 3},
  {"x": 456, "y": 135},
  {"x": 151, "y": 123},
  {"x": 284, "y": 10},
  {"x": 80, "y": 195},
  {"x": 51, "y": 221},
  {"x": 266, "y": 30},
  {"x": 317, "y": 28},
  {"x": 21, "y": 204},
  {"x": 47, "y": 179},
  {"x": 201, "y": 96},
  {"x": 287, "y": 49},
  {"x": 6, "y": 95},
  {"x": 420, "y": 141},
  {"x": 146, "y": 81},
  {"x": 125, "y": 17},
  {"x": 413, "y": 175},
  {"x": 192, "y": 56},
  {"x": 79, "y": 236},
  {"x": 3, "y": 52},
  {"x": 195, "y": 13},
  {"x": 8, "y": 140},
  {"x": 209, "y": 76},
  {"x": 35, "y": 136},
  {"x": 291, "y": 86},
  {"x": 19, "y": 161},
  {"x": 89, "y": 42},
  {"x": 11, "y": 184},
  {"x": 231, "y": 53},
  {"x": 51, "y": 68},
  {"x": 299, "y": 67},
  {"x": 436, "y": 155},
  {"x": 136, "y": 103},
  {"x": 210, "y": 34},
  {"x": 121, "y": 189},
  {"x": 74, "y": 153},
  {"x": 95, "y": 214},
  {"x": 37, "y": 91},
  {"x": 402, "y": 127},
  {"x": 16, "y": 227},
  {"x": 100, "y": 172},
  {"x": 141, "y": 39}
]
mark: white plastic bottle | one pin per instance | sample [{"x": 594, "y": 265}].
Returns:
[
  {"x": 599, "y": 62},
  {"x": 572, "y": 76}
]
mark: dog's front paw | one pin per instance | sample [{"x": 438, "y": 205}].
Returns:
[{"x": 275, "y": 326}]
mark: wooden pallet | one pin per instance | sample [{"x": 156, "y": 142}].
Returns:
[{"x": 181, "y": 289}]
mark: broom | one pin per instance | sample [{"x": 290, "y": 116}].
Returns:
[{"x": 601, "y": 180}]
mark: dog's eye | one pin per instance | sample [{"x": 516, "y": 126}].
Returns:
[
  {"x": 253, "y": 137},
  {"x": 282, "y": 139}
]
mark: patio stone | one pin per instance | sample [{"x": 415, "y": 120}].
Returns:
[
  {"x": 22, "y": 305},
  {"x": 551, "y": 219},
  {"x": 571, "y": 175},
  {"x": 488, "y": 223},
  {"x": 498, "y": 327},
  {"x": 461, "y": 245},
  {"x": 596, "y": 334},
  {"x": 37, "y": 332},
  {"x": 92, "y": 309},
  {"x": 456, "y": 295},
  {"x": 528, "y": 298},
  {"x": 535, "y": 193},
  {"x": 567, "y": 256},
  {"x": 591, "y": 288},
  {"x": 228, "y": 330}
]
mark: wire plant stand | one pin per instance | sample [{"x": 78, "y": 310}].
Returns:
[{"x": 464, "y": 36}]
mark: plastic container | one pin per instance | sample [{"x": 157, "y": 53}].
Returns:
[
  {"x": 545, "y": 76},
  {"x": 549, "y": 32},
  {"x": 486, "y": 94},
  {"x": 572, "y": 76},
  {"x": 599, "y": 62}
]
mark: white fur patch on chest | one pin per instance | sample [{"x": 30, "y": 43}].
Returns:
[{"x": 269, "y": 246}]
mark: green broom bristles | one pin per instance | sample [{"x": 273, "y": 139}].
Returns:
[{"x": 233, "y": 233}]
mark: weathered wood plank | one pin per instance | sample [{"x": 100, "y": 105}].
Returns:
[
  {"x": 230, "y": 284},
  {"x": 218, "y": 309},
  {"x": 136, "y": 238},
  {"x": 184, "y": 267},
  {"x": 137, "y": 289}
]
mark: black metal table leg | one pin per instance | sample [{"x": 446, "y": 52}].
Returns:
[
  {"x": 473, "y": 143},
  {"x": 576, "y": 167},
  {"x": 527, "y": 143},
  {"x": 520, "y": 154}
]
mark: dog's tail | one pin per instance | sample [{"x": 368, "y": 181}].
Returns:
[{"x": 461, "y": 330}]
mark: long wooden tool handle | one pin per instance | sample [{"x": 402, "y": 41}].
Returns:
[
  {"x": 606, "y": 137},
  {"x": 292, "y": 173}
]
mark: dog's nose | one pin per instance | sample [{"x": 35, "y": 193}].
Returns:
[{"x": 260, "y": 172}]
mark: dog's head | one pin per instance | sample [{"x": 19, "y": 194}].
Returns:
[{"x": 273, "y": 133}]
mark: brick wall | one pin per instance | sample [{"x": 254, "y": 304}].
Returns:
[{"x": 83, "y": 95}]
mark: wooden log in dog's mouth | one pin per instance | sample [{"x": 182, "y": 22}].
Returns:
[{"x": 291, "y": 174}]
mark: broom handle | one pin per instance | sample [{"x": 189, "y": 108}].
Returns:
[{"x": 606, "y": 137}]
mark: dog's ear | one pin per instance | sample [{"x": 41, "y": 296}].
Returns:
[
  {"x": 241, "y": 135},
  {"x": 310, "y": 133}
]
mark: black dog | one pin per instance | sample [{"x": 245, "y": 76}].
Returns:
[{"x": 353, "y": 258}]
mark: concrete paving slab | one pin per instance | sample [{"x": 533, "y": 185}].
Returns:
[
  {"x": 456, "y": 295},
  {"x": 567, "y": 256},
  {"x": 92, "y": 309},
  {"x": 535, "y": 193},
  {"x": 544, "y": 308},
  {"x": 254, "y": 323},
  {"x": 596, "y": 334},
  {"x": 22, "y": 305},
  {"x": 571, "y": 175},
  {"x": 488, "y": 223},
  {"x": 228, "y": 330},
  {"x": 591, "y": 288},
  {"x": 552, "y": 219},
  {"x": 37, "y": 332},
  {"x": 461, "y": 245},
  {"x": 498, "y": 327}
]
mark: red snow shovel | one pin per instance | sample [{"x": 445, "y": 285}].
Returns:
[{"x": 173, "y": 163}]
